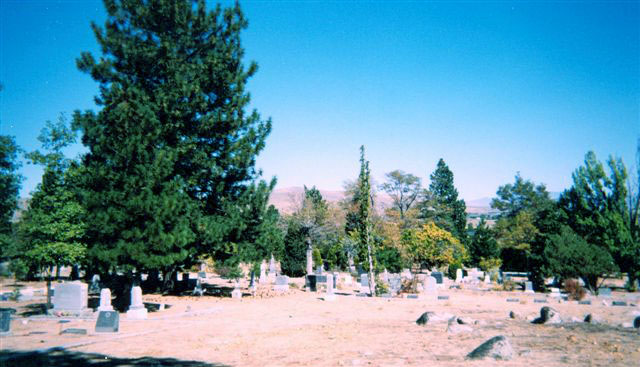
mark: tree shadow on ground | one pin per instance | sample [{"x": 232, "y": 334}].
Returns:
[
  {"x": 34, "y": 309},
  {"x": 64, "y": 358}
]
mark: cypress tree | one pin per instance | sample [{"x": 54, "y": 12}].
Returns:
[{"x": 170, "y": 168}]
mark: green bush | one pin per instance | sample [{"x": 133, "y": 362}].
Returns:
[{"x": 389, "y": 258}]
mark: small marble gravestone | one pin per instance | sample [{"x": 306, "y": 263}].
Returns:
[
  {"x": 458, "y": 275},
  {"x": 329, "y": 296},
  {"x": 364, "y": 283},
  {"x": 237, "y": 292},
  {"x": 108, "y": 322},
  {"x": 105, "y": 300},
  {"x": 136, "y": 309},
  {"x": 263, "y": 273},
  {"x": 282, "y": 283},
  {"x": 528, "y": 287}
]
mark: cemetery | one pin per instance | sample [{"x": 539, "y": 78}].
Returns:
[
  {"x": 193, "y": 207},
  {"x": 280, "y": 321}
]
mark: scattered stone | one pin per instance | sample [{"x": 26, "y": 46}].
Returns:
[
  {"x": 432, "y": 317},
  {"x": 548, "y": 315},
  {"x": 465, "y": 321},
  {"x": 592, "y": 319},
  {"x": 514, "y": 315},
  {"x": 497, "y": 347}
]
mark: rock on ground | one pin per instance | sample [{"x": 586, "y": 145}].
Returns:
[
  {"x": 548, "y": 315},
  {"x": 432, "y": 317},
  {"x": 636, "y": 322},
  {"x": 497, "y": 347}
]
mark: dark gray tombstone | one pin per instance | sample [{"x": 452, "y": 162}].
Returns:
[
  {"x": 587, "y": 302},
  {"x": 253, "y": 279},
  {"x": 513, "y": 300},
  {"x": 539, "y": 301},
  {"x": 439, "y": 277},
  {"x": 5, "y": 321},
  {"x": 202, "y": 274},
  {"x": 619, "y": 303},
  {"x": 412, "y": 296},
  {"x": 108, "y": 322},
  {"x": 443, "y": 297},
  {"x": 75, "y": 331},
  {"x": 311, "y": 282}
]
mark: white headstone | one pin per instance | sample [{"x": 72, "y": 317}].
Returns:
[
  {"x": 136, "y": 309},
  {"x": 272, "y": 265},
  {"x": 458, "y": 275},
  {"x": 330, "y": 296},
  {"x": 105, "y": 300},
  {"x": 528, "y": 287},
  {"x": 263, "y": 272},
  {"x": 71, "y": 296},
  {"x": 487, "y": 278}
]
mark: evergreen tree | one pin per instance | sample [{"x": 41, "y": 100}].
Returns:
[
  {"x": 170, "y": 168},
  {"x": 441, "y": 204},
  {"x": 9, "y": 189},
  {"x": 364, "y": 225},
  {"x": 596, "y": 208},
  {"x": 483, "y": 244}
]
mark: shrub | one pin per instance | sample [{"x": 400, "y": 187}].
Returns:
[
  {"x": 508, "y": 285},
  {"x": 381, "y": 287},
  {"x": 229, "y": 271},
  {"x": 574, "y": 289}
]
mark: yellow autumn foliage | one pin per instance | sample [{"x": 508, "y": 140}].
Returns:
[{"x": 432, "y": 246}]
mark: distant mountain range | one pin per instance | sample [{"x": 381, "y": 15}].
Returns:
[{"x": 288, "y": 199}]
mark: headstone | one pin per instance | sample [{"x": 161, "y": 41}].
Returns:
[
  {"x": 136, "y": 310},
  {"x": 555, "y": 292},
  {"x": 605, "y": 292},
  {"x": 439, "y": 277},
  {"x": 252, "y": 281},
  {"x": 541, "y": 300},
  {"x": 71, "y": 297},
  {"x": 385, "y": 276},
  {"x": 458, "y": 275},
  {"x": 236, "y": 293},
  {"x": 272, "y": 265},
  {"x": 513, "y": 300},
  {"x": 5, "y": 322},
  {"x": 320, "y": 269},
  {"x": 395, "y": 283},
  {"x": 263, "y": 273},
  {"x": 329, "y": 296},
  {"x": 74, "y": 331},
  {"x": 94, "y": 287},
  {"x": 430, "y": 287},
  {"x": 528, "y": 287},
  {"x": 487, "y": 278},
  {"x": 282, "y": 283},
  {"x": 311, "y": 282},
  {"x": 364, "y": 283},
  {"x": 198, "y": 291},
  {"x": 203, "y": 267},
  {"x": 619, "y": 303},
  {"x": 105, "y": 300},
  {"x": 443, "y": 297},
  {"x": 202, "y": 275},
  {"x": 108, "y": 322},
  {"x": 587, "y": 302}
]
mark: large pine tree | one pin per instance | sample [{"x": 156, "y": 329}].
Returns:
[
  {"x": 170, "y": 169},
  {"x": 441, "y": 204}
]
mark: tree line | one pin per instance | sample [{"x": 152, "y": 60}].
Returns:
[{"x": 169, "y": 180}]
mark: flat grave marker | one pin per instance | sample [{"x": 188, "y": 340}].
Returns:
[
  {"x": 513, "y": 300},
  {"x": 108, "y": 322}
]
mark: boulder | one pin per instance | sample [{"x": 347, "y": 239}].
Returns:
[
  {"x": 592, "y": 319},
  {"x": 465, "y": 321},
  {"x": 548, "y": 315},
  {"x": 455, "y": 327},
  {"x": 432, "y": 317},
  {"x": 497, "y": 347}
]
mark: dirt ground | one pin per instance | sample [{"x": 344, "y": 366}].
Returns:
[{"x": 301, "y": 329}]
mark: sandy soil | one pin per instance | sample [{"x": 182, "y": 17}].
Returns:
[{"x": 301, "y": 329}]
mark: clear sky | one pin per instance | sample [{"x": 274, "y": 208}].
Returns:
[{"x": 492, "y": 87}]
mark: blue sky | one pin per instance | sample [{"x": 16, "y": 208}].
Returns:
[{"x": 492, "y": 87}]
